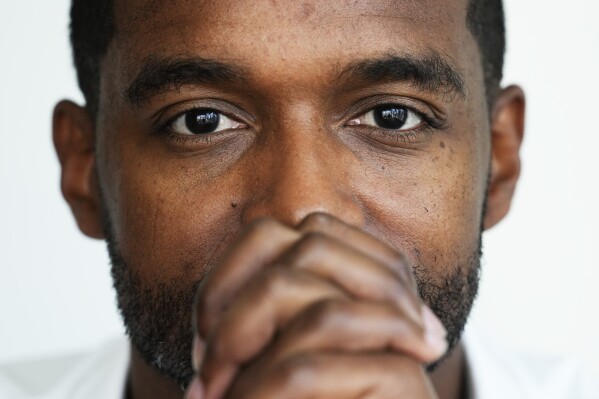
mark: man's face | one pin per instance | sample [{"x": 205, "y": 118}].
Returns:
[{"x": 213, "y": 114}]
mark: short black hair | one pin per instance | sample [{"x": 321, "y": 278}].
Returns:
[{"x": 93, "y": 28}]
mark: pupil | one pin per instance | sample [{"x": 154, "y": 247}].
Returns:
[
  {"x": 390, "y": 117},
  {"x": 201, "y": 121}
]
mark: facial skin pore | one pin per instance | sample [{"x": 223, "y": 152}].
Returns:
[{"x": 296, "y": 80}]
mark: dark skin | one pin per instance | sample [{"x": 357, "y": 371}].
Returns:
[{"x": 304, "y": 217}]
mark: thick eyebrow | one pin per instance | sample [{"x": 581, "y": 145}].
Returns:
[
  {"x": 158, "y": 75},
  {"x": 430, "y": 72}
]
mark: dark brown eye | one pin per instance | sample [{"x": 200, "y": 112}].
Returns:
[
  {"x": 203, "y": 121},
  {"x": 390, "y": 116}
]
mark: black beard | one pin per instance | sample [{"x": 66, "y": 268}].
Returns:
[
  {"x": 451, "y": 300},
  {"x": 157, "y": 316}
]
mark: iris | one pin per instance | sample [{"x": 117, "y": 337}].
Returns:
[
  {"x": 202, "y": 121},
  {"x": 390, "y": 116}
]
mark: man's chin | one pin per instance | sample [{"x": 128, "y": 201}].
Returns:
[
  {"x": 157, "y": 317},
  {"x": 158, "y": 323}
]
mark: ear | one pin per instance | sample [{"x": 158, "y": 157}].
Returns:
[
  {"x": 73, "y": 133},
  {"x": 507, "y": 131}
]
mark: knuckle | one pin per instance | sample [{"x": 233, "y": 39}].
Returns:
[
  {"x": 317, "y": 221},
  {"x": 275, "y": 279},
  {"x": 417, "y": 329},
  {"x": 290, "y": 378},
  {"x": 314, "y": 242},
  {"x": 324, "y": 313},
  {"x": 296, "y": 372},
  {"x": 382, "y": 292},
  {"x": 405, "y": 327}
]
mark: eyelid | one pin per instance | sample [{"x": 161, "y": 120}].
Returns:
[
  {"x": 428, "y": 113},
  {"x": 173, "y": 125},
  {"x": 169, "y": 114},
  {"x": 411, "y": 114}
]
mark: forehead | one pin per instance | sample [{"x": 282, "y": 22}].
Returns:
[{"x": 290, "y": 34}]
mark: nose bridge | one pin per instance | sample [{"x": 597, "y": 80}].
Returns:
[{"x": 306, "y": 172}]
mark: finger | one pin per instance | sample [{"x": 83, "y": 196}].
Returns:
[
  {"x": 195, "y": 390},
  {"x": 358, "y": 326},
  {"x": 362, "y": 241},
  {"x": 359, "y": 274},
  {"x": 258, "y": 245},
  {"x": 377, "y": 249},
  {"x": 336, "y": 376},
  {"x": 252, "y": 319}
]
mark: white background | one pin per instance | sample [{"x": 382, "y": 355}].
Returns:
[{"x": 541, "y": 269}]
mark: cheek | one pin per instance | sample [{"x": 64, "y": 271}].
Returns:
[
  {"x": 172, "y": 233},
  {"x": 169, "y": 223},
  {"x": 430, "y": 206}
]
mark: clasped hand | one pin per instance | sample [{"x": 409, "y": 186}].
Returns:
[{"x": 322, "y": 310}]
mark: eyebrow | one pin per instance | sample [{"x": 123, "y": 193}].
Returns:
[
  {"x": 158, "y": 75},
  {"x": 431, "y": 72}
]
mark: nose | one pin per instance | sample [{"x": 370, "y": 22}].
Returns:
[{"x": 299, "y": 173}]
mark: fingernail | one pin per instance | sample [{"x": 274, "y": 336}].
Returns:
[
  {"x": 435, "y": 333},
  {"x": 197, "y": 354},
  {"x": 195, "y": 389}
]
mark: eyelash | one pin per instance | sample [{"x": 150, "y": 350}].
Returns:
[
  {"x": 165, "y": 129},
  {"x": 425, "y": 129},
  {"x": 406, "y": 136}
]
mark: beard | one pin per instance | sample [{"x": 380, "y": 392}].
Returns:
[
  {"x": 452, "y": 299},
  {"x": 158, "y": 315}
]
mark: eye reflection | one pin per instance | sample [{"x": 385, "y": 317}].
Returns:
[
  {"x": 390, "y": 117},
  {"x": 202, "y": 121}
]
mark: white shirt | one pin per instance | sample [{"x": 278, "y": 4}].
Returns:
[
  {"x": 495, "y": 372},
  {"x": 101, "y": 374}
]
